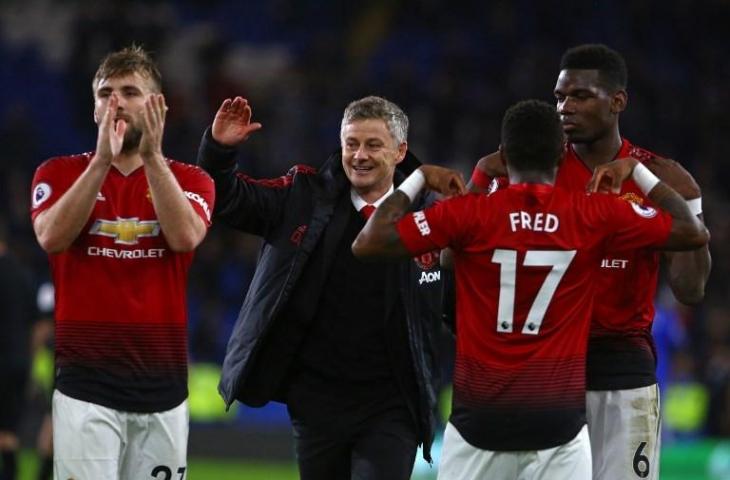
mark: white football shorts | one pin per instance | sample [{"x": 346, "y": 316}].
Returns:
[
  {"x": 624, "y": 428},
  {"x": 91, "y": 442},
  {"x": 462, "y": 461}
]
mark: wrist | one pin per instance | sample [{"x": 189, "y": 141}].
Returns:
[
  {"x": 412, "y": 185},
  {"x": 480, "y": 179},
  {"x": 220, "y": 144},
  {"x": 99, "y": 166},
  {"x": 153, "y": 158},
  {"x": 101, "y": 160},
  {"x": 695, "y": 206},
  {"x": 643, "y": 178}
]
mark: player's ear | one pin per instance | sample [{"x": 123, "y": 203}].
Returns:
[
  {"x": 502, "y": 156},
  {"x": 619, "y": 101},
  {"x": 402, "y": 149}
]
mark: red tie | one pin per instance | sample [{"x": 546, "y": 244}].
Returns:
[{"x": 366, "y": 211}]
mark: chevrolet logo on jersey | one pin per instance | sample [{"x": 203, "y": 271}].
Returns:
[{"x": 126, "y": 231}]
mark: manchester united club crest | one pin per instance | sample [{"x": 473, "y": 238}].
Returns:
[
  {"x": 428, "y": 260},
  {"x": 633, "y": 198},
  {"x": 637, "y": 203},
  {"x": 298, "y": 234}
]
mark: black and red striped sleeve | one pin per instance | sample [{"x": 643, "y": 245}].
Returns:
[{"x": 242, "y": 202}]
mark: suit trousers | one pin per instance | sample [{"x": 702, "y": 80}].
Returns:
[{"x": 379, "y": 447}]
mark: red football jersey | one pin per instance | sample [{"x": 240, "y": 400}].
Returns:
[
  {"x": 526, "y": 259},
  {"x": 621, "y": 350},
  {"x": 121, "y": 329}
]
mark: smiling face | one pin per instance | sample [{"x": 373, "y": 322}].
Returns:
[
  {"x": 369, "y": 156},
  {"x": 131, "y": 89},
  {"x": 588, "y": 110}
]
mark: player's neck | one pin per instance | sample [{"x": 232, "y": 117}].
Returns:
[
  {"x": 531, "y": 177},
  {"x": 126, "y": 163},
  {"x": 600, "y": 151}
]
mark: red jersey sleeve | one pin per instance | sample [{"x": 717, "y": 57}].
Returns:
[
  {"x": 52, "y": 179},
  {"x": 199, "y": 189},
  {"x": 445, "y": 224},
  {"x": 635, "y": 226}
]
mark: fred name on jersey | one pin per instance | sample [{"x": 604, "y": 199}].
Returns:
[
  {"x": 537, "y": 222},
  {"x": 125, "y": 231}
]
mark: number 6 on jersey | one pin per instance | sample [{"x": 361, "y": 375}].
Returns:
[{"x": 559, "y": 260}]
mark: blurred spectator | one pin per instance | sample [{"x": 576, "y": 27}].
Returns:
[
  {"x": 685, "y": 401},
  {"x": 19, "y": 312}
]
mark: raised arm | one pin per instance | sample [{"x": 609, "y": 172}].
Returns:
[
  {"x": 181, "y": 225},
  {"x": 57, "y": 228},
  {"x": 487, "y": 168},
  {"x": 380, "y": 238},
  {"x": 687, "y": 231},
  {"x": 232, "y": 123},
  {"x": 241, "y": 202},
  {"x": 688, "y": 271}
]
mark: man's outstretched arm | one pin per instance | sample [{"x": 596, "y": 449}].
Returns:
[
  {"x": 380, "y": 238},
  {"x": 486, "y": 169},
  {"x": 687, "y": 232}
]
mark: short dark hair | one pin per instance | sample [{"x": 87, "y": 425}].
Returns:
[
  {"x": 532, "y": 136},
  {"x": 128, "y": 61},
  {"x": 610, "y": 64}
]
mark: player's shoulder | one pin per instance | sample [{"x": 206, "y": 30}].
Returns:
[
  {"x": 598, "y": 198},
  {"x": 299, "y": 173},
  {"x": 587, "y": 205},
  {"x": 182, "y": 168},
  {"x": 609, "y": 205},
  {"x": 470, "y": 203},
  {"x": 80, "y": 160},
  {"x": 474, "y": 199},
  {"x": 604, "y": 199},
  {"x": 567, "y": 200},
  {"x": 642, "y": 154}
]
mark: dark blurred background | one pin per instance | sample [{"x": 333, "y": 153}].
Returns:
[{"x": 453, "y": 66}]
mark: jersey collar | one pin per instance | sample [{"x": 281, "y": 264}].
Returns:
[{"x": 623, "y": 152}]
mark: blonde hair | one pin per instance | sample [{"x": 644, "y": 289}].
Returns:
[{"x": 129, "y": 60}]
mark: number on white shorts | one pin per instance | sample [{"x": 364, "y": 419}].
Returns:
[
  {"x": 641, "y": 462},
  {"x": 167, "y": 473}
]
